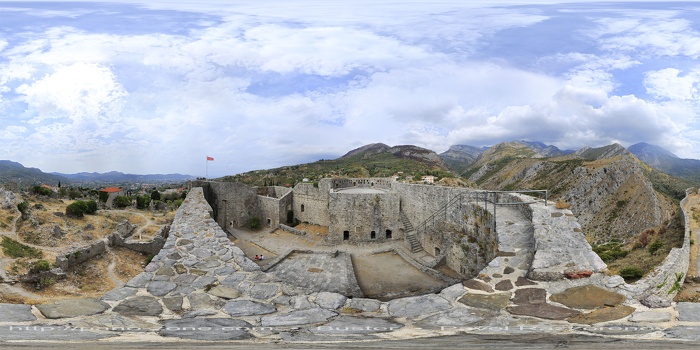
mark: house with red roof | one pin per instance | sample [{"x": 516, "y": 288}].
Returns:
[{"x": 111, "y": 193}]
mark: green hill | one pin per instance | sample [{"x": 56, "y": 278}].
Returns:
[{"x": 375, "y": 160}]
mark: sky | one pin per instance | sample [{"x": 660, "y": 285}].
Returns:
[{"x": 157, "y": 86}]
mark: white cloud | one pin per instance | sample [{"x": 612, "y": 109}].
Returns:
[
  {"x": 669, "y": 84},
  {"x": 657, "y": 33}
]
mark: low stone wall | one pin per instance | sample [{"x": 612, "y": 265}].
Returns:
[
  {"x": 292, "y": 230},
  {"x": 80, "y": 255},
  {"x": 150, "y": 248}
]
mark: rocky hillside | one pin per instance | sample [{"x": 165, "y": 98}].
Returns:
[
  {"x": 608, "y": 188},
  {"x": 459, "y": 157}
]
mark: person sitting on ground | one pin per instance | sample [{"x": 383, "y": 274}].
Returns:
[
  {"x": 257, "y": 257},
  {"x": 262, "y": 257}
]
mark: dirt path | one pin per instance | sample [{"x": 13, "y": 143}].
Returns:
[
  {"x": 110, "y": 269},
  {"x": 13, "y": 291}
]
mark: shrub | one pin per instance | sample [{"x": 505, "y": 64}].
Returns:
[
  {"x": 654, "y": 247},
  {"x": 155, "y": 195},
  {"x": 23, "y": 207},
  {"x": 631, "y": 274},
  {"x": 39, "y": 266},
  {"x": 103, "y": 197},
  {"x": 645, "y": 238},
  {"x": 254, "y": 222},
  {"x": 42, "y": 191},
  {"x": 121, "y": 201},
  {"x": 91, "y": 207},
  {"x": 143, "y": 201},
  {"x": 73, "y": 194},
  {"x": 77, "y": 209}
]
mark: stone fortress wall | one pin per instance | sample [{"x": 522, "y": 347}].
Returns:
[{"x": 462, "y": 235}]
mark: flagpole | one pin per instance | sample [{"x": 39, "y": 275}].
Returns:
[{"x": 206, "y": 176}]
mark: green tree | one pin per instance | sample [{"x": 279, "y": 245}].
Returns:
[
  {"x": 121, "y": 201},
  {"x": 77, "y": 209},
  {"x": 73, "y": 194},
  {"x": 42, "y": 191},
  {"x": 103, "y": 197},
  {"x": 143, "y": 201},
  {"x": 155, "y": 195}
]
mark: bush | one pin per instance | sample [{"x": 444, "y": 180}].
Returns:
[
  {"x": 73, "y": 194},
  {"x": 654, "y": 247},
  {"x": 91, "y": 207},
  {"x": 155, "y": 195},
  {"x": 610, "y": 252},
  {"x": 103, "y": 197},
  {"x": 143, "y": 201},
  {"x": 23, "y": 207},
  {"x": 254, "y": 222},
  {"x": 39, "y": 266},
  {"x": 77, "y": 209},
  {"x": 42, "y": 191},
  {"x": 121, "y": 201},
  {"x": 631, "y": 274}
]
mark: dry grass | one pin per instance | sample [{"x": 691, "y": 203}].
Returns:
[
  {"x": 92, "y": 278},
  {"x": 561, "y": 204}
]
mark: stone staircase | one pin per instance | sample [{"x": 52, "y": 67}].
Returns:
[{"x": 410, "y": 235}]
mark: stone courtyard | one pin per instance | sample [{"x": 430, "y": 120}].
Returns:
[{"x": 201, "y": 286}]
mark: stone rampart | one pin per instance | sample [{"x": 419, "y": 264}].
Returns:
[{"x": 666, "y": 279}]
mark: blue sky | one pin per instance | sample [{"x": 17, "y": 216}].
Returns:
[{"x": 155, "y": 87}]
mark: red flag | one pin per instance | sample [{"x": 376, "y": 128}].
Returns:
[{"x": 210, "y": 158}]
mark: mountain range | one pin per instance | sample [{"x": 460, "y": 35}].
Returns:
[{"x": 18, "y": 173}]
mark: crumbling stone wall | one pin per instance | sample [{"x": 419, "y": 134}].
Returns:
[
  {"x": 80, "y": 255},
  {"x": 151, "y": 248}
]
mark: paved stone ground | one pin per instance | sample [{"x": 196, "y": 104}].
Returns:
[
  {"x": 330, "y": 272},
  {"x": 202, "y": 287}
]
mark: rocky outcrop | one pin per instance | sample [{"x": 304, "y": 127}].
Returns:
[{"x": 8, "y": 198}]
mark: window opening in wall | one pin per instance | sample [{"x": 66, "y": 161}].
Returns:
[
  {"x": 346, "y": 235},
  {"x": 354, "y": 183},
  {"x": 388, "y": 234},
  {"x": 372, "y": 183},
  {"x": 302, "y": 208},
  {"x": 373, "y": 235},
  {"x": 437, "y": 251},
  {"x": 269, "y": 222}
]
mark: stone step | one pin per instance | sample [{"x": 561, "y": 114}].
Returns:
[{"x": 413, "y": 242}]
